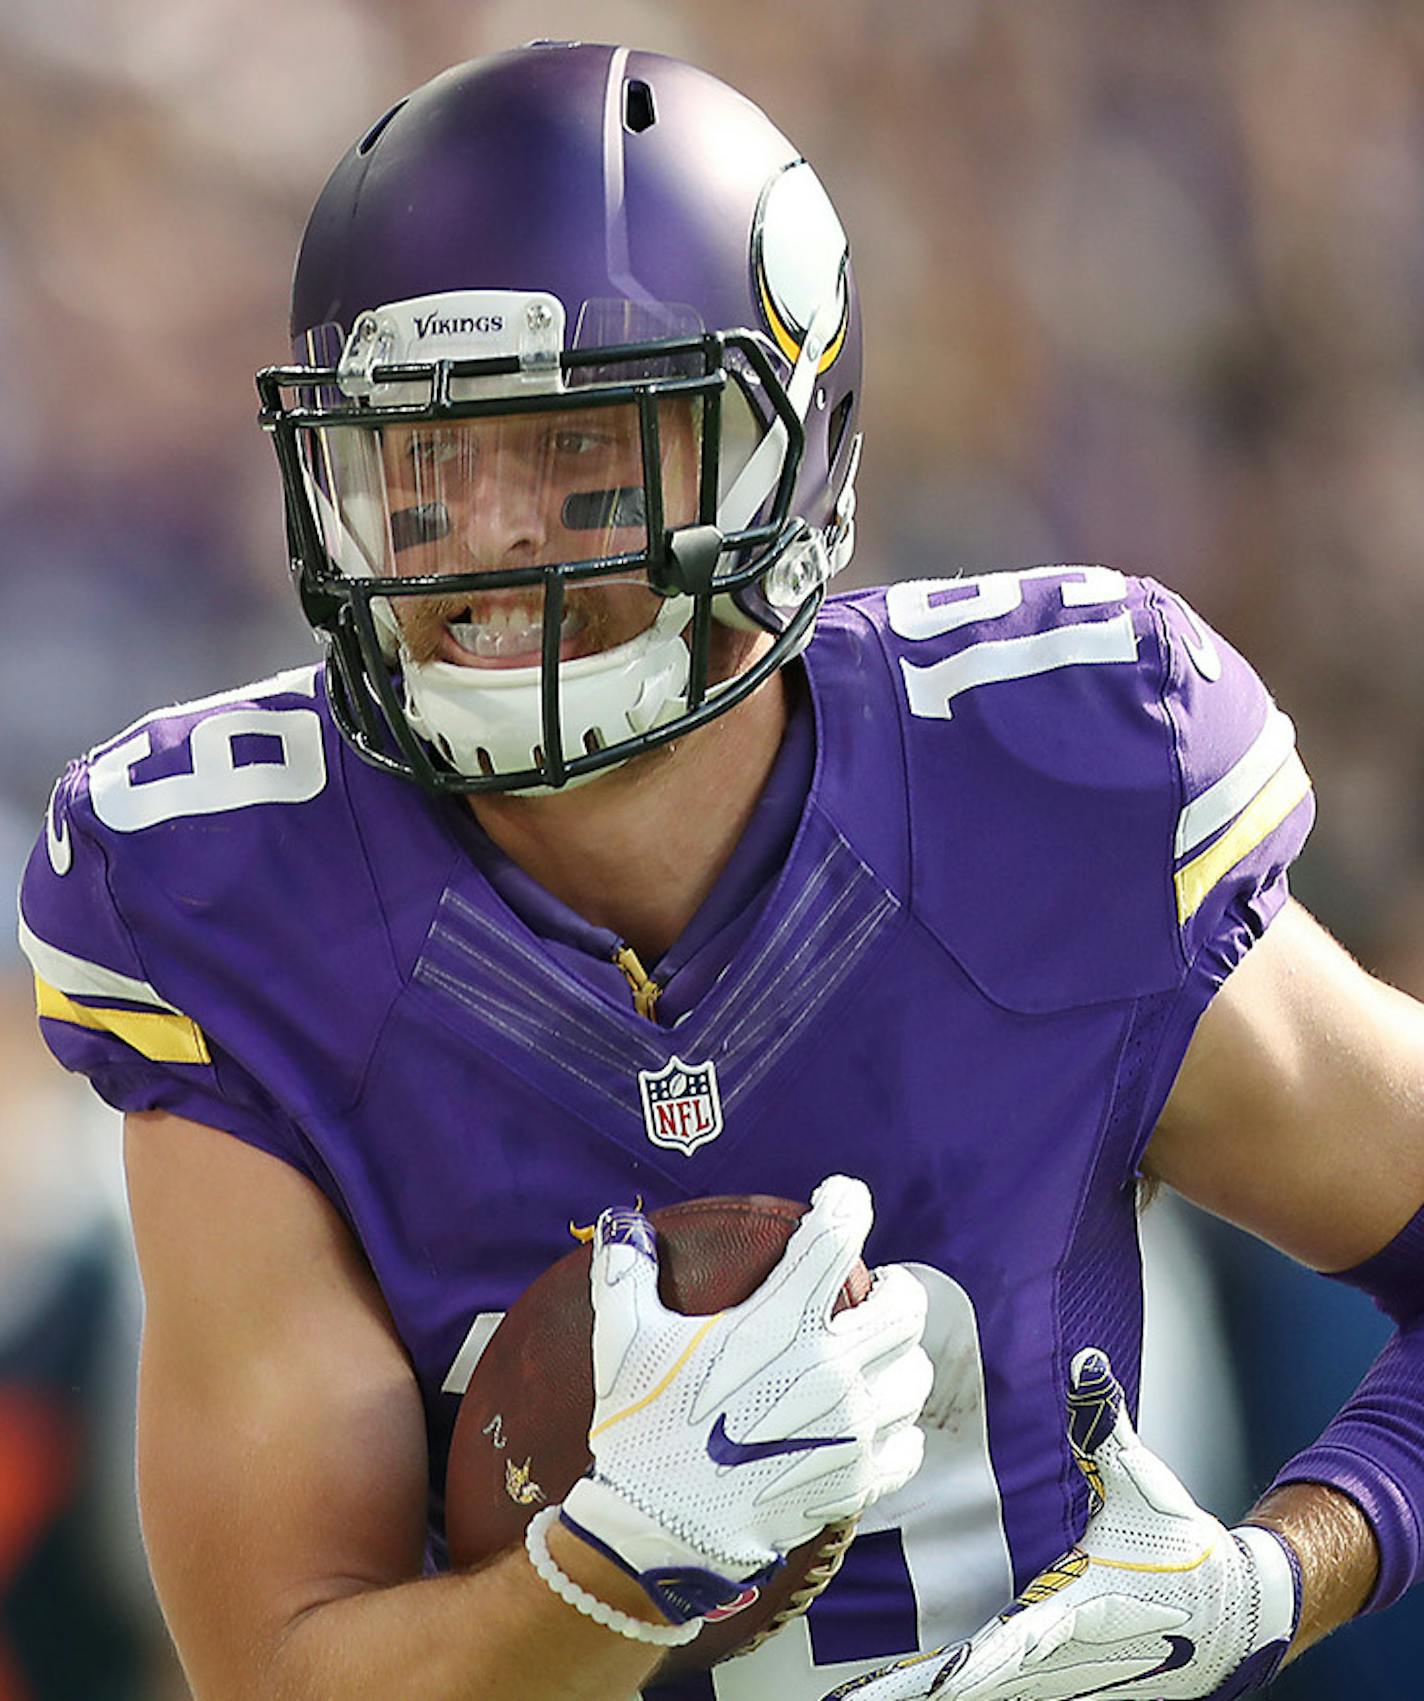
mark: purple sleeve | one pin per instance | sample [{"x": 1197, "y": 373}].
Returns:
[
  {"x": 1246, "y": 801},
  {"x": 1374, "y": 1450},
  {"x": 101, "y": 1013},
  {"x": 1245, "y": 808}
]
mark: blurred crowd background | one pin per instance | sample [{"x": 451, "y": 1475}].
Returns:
[{"x": 1143, "y": 283}]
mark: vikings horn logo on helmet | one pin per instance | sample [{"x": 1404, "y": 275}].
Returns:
[{"x": 800, "y": 252}]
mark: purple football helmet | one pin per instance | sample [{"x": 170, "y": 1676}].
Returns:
[{"x": 577, "y": 354}]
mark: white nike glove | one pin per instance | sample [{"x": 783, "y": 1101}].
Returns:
[
  {"x": 1158, "y": 1602},
  {"x": 720, "y": 1443}
]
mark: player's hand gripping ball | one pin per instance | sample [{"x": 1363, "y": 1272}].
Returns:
[{"x": 756, "y": 1390}]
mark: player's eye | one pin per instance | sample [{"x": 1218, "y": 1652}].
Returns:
[
  {"x": 573, "y": 443},
  {"x": 434, "y": 448}
]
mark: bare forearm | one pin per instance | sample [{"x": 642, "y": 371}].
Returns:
[
  {"x": 470, "y": 1637},
  {"x": 1339, "y": 1559}
]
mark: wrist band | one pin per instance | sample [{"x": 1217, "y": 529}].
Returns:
[
  {"x": 536, "y": 1545},
  {"x": 1280, "y": 1583}
]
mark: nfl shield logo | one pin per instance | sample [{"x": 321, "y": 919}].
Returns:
[{"x": 682, "y": 1108}]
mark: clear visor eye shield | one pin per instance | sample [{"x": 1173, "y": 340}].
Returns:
[{"x": 454, "y": 473}]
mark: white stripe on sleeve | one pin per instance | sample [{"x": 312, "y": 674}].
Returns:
[{"x": 1229, "y": 795}]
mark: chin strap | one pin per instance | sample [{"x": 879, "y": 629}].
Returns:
[
  {"x": 758, "y": 477},
  {"x": 840, "y": 540}
]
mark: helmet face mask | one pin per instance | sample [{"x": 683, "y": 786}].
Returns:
[{"x": 517, "y": 541}]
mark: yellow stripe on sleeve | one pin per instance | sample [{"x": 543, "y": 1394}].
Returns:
[
  {"x": 1270, "y": 806},
  {"x": 153, "y": 1034}
]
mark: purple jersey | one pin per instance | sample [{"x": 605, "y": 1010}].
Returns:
[{"x": 1049, "y": 812}]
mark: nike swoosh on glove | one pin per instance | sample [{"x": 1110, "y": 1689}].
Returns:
[
  {"x": 1158, "y": 1602},
  {"x": 721, "y": 1443}
]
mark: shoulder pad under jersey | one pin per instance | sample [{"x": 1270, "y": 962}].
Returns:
[
  {"x": 1100, "y": 787},
  {"x": 196, "y": 892}
]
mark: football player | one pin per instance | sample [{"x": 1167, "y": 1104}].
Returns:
[{"x": 605, "y": 857}]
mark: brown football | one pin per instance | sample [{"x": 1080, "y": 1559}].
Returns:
[{"x": 521, "y": 1438}]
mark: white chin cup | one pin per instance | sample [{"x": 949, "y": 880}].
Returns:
[{"x": 603, "y": 699}]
